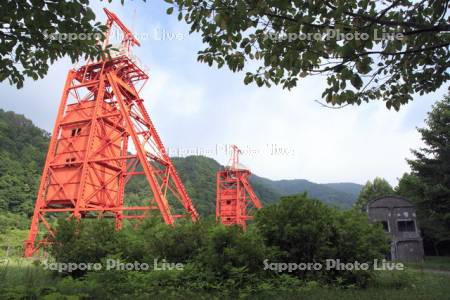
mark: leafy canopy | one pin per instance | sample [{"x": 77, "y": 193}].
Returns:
[
  {"x": 239, "y": 34},
  {"x": 26, "y": 30},
  {"x": 282, "y": 41}
]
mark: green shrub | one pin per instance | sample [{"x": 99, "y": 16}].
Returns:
[
  {"x": 84, "y": 242},
  {"x": 229, "y": 251},
  {"x": 304, "y": 230},
  {"x": 225, "y": 259}
]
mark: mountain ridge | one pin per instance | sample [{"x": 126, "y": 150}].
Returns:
[
  {"x": 340, "y": 194},
  {"x": 198, "y": 173}
]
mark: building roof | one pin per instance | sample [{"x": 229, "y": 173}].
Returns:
[{"x": 389, "y": 201}]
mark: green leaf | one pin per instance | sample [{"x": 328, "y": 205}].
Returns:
[{"x": 356, "y": 81}]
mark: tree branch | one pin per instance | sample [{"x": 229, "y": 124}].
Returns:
[
  {"x": 332, "y": 107},
  {"x": 387, "y": 22}
]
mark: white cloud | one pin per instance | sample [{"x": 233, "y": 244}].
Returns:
[{"x": 173, "y": 94}]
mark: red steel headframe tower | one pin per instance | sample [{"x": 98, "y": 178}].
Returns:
[
  {"x": 102, "y": 137},
  {"x": 236, "y": 199}
]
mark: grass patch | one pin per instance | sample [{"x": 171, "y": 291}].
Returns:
[
  {"x": 23, "y": 279},
  {"x": 20, "y": 278},
  {"x": 440, "y": 263},
  {"x": 388, "y": 285}
]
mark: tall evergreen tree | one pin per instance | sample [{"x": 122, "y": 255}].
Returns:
[
  {"x": 432, "y": 166},
  {"x": 410, "y": 186}
]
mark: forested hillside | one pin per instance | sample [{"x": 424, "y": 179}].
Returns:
[
  {"x": 22, "y": 153},
  {"x": 340, "y": 194},
  {"x": 23, "y": 149}
]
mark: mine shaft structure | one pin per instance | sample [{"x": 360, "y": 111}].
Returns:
[
  {"x": 236, "y": 199},
  {"x": 102, "y": 137}
]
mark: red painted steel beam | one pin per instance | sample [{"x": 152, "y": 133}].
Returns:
[{"x": 88, "y": 163}]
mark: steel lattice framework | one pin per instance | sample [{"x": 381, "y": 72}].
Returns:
[
  {"x": 236, "y": 200},
  {"x": 100, "y": 123}
]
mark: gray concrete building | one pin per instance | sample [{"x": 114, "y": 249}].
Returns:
[{"x": 398, "y": 218}]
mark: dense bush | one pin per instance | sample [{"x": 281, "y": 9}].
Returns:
[
  {"x": 217, "y": 258},
  {"x": 305, "y": 230},
  {"x": 85, "y": 242},
  {"x": 209, "y": 247}
]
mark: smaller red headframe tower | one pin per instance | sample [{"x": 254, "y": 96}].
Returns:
[{"x": 236, "y": 199}]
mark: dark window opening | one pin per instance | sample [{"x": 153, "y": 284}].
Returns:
[
  {"x": 406, "y": 226},
  {"x": 228, "y": 202},
  {"x": 76, "y": 131},
  {"x": 69, "y": 162},
  {"x": 385, "y": 225}
]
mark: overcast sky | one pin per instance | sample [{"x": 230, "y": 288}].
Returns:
[{"x": 198, "y": 109}]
